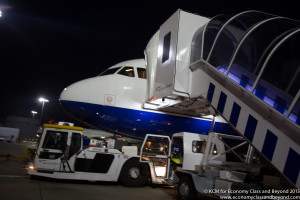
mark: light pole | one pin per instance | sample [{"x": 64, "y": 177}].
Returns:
[
  {"x": 33, "y": 113},
  {"x": 43, "y": 100}
]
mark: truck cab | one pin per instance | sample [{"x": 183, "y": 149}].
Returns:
[
  {"x": 193, "y": 150},
  {"x": 58, "y": 142},
  {"x": 197, "y": 163}
]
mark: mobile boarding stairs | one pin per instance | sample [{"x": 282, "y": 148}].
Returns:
[{"x": 246, "y": 66}]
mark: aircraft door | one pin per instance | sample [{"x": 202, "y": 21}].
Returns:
[{"x": 156, "y": 150}]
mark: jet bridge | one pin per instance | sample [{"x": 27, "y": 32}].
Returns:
[{"x": 246, "y": 66}]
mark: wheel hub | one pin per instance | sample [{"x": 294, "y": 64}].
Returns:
[{"x": 134, "y": 172}]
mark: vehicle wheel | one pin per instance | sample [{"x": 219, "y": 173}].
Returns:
[
  {"x": 186, "y": 189},
  {"x": 133, "y": 174}
]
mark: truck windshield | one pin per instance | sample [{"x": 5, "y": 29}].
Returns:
[
  {"x": 55, "y": 140},
  {"x": 156, "y": 146}
]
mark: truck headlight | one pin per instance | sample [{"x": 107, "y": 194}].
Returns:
[{"x": 31, "y": 166}]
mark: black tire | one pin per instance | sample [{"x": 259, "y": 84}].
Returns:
[
  {"x": 133, "y": 174},
  {"x": 186, "y": 189}
]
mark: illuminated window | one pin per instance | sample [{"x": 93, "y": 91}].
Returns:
[
  {"x": 142, "y": 73},
  {"x": 127, "y": 71}
]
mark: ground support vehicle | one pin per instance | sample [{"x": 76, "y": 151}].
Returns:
[
  {"x": 214, "y": 164},
  {"x": 60, "y": 155}
]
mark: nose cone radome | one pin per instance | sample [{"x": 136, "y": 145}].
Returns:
[{"x": 76, "y": 92}]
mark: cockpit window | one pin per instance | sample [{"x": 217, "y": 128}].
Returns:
[
  {"x": 142, "y": 73},
  {"x": 110, "y": 71},
  {"x": 127, "y": 71}
]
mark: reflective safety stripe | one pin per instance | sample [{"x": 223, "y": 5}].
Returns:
[{"x": 177, "y": 160}]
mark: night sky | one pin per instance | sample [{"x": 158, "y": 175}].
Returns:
[{"x": 47, "y": 45}]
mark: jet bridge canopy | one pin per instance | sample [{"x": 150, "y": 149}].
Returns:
[{"x": 260, "y": 52}]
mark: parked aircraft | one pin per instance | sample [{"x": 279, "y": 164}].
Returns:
[{"x": 115, "y": 101}]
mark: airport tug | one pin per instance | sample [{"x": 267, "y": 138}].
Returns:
[{"x": 61, "y": 154}]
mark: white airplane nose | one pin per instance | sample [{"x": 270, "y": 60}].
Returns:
[
  {"x": 74, "y": 98},
  {"x": 76, "y": 92}
]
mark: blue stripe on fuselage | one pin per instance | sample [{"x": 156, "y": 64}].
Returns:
[{"x": 138, "y": 123}]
